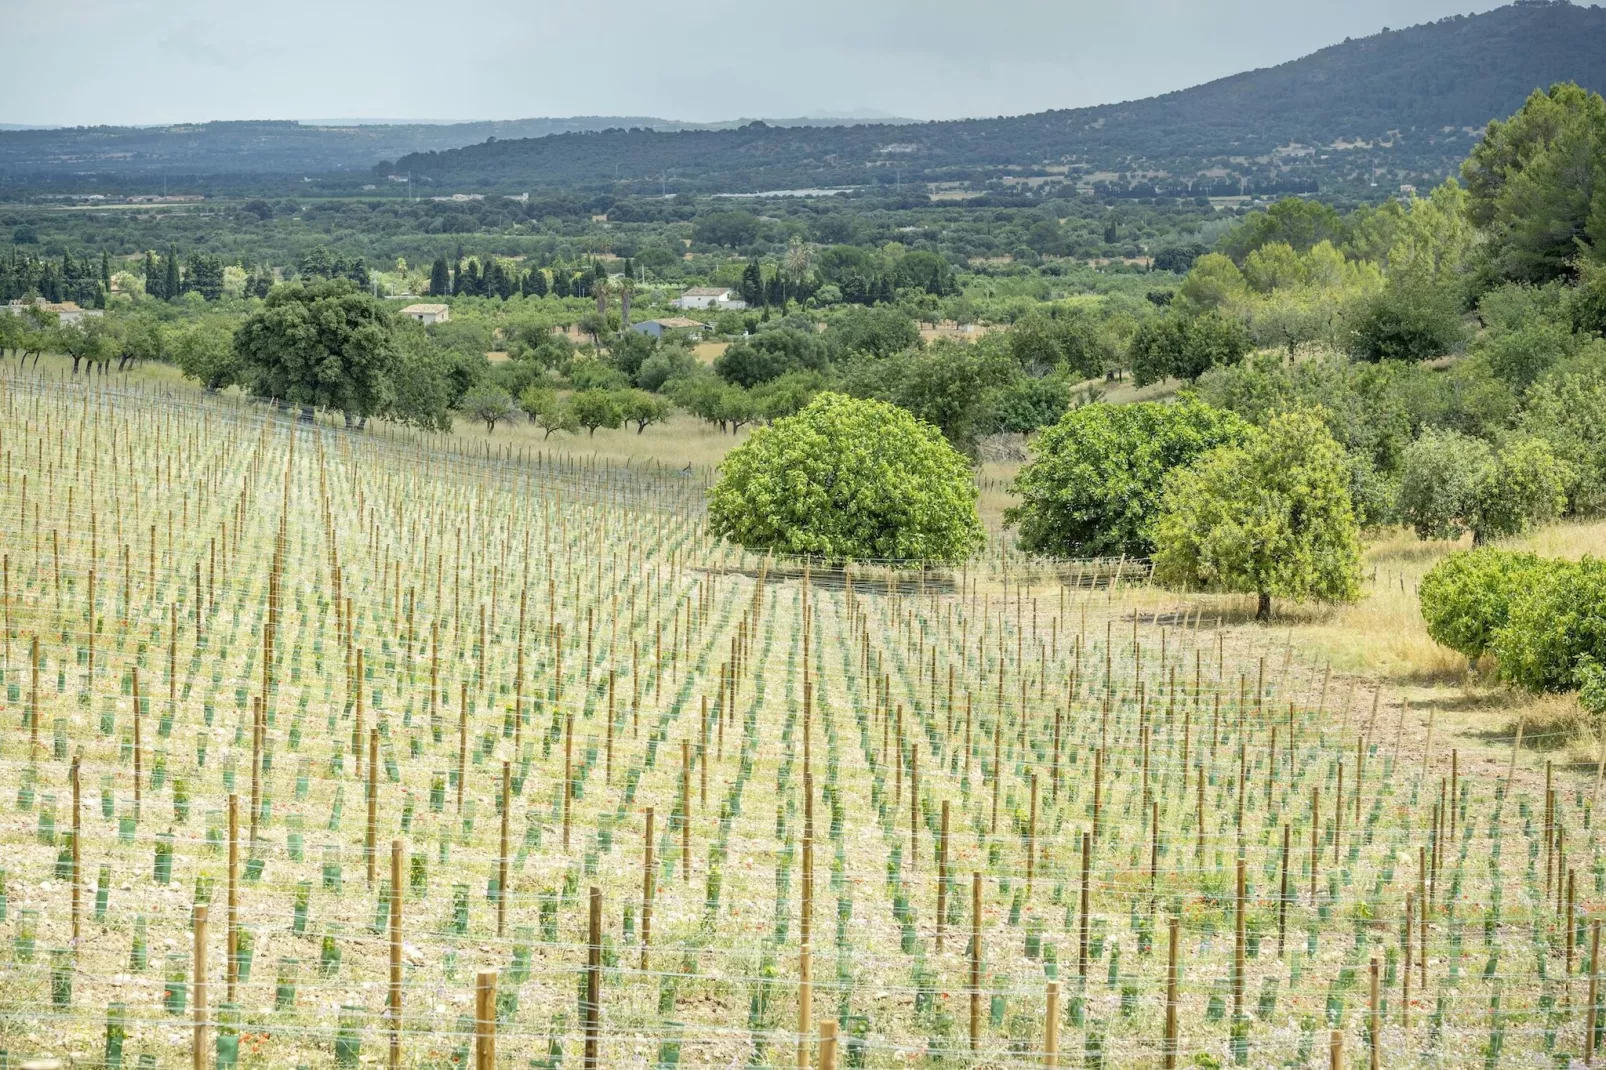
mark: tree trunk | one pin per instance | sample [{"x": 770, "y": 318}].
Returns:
[{"x": 1263, "y": 611}]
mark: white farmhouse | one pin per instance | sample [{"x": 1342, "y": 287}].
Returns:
[
  {"x": 428, "y": 314},
  {"x": 718, "y": 298}
]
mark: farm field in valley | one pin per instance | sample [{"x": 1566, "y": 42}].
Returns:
[{"x": 409, "y": 716}]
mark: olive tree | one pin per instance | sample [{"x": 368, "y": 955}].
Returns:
[
  {"x": 489, "y": 404},
  {"x": 847, "y": 478}
]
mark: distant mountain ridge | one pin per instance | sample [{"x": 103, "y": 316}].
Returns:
[
  {"x": 287, "y": 146},
  {"x": 1402, "y": 106},
  {"x": 1368, "y": 115}
]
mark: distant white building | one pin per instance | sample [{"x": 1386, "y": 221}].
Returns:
[
  {"x": 66, "y": 312},
  {"x": 428, "y": 314},
  {"x": 718, "y": 298},
  {"x": 660, "y": 327}
]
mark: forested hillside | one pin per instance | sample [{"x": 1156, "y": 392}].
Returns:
[
  {"x": 281, "y": 147},
  {"x": 1400, "y": 106}
]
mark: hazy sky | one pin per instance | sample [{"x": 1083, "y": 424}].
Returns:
[{"x": 137, "y": 61}]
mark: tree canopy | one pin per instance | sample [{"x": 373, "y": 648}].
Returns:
[
  {"x": 1094, "y": 483},
  {"x": 847, "y": 478},
  {"x": 1271, "y": 517}
]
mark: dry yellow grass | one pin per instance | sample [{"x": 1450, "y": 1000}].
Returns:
[
  {"x": 679, "y": 441},
  {"x": 1381, "y": 641}
]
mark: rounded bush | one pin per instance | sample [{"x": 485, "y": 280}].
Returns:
[
  {"x": 1552, "y": 623},
  {"x": 849, "y": 479},
  {"x": 1467, "y": 597}
]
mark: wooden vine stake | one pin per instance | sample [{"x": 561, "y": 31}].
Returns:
[
  {"x": 1169, "y": 1050},
  {"x": 77, "y": 857},
  {"x": 828, "y": 1044},
  {"x": 1374, "y": 1023},
  {"x": 646, "y": 891},
  {"x": 397, "y": 864},
  {"x": 975, "y": 961},
  {"x": 485, "y": 1020},
  {"x": 1051, "y": 1026},
  {"x": 198, "y": 1042},
  {"x": 593, "y": 980},
  {"x": 1594, "y": 990},
  {"x": 942, "y": 876},
  {"x": 231, "y": 968},
  {"x": 502, "y": 859},
  {"x": 370, "y": 840}
]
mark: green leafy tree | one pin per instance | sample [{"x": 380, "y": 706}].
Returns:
[
  {"x": 1026, "y": 404},
  {"x": 440, "y": 280},
  {"x": 1184, "y": 347},
  {"x": 1406, "y": 322},
  {"x": 947, "y": 384},
  {"x": 1294, "y": 221},
  {"x": 1466, "y": 598},
  {"x": 597, "y": 408},
  {"x": 321, "y": 345},
  {"x": 1522, "y": 486},
  {"x": 204, "y": 276},
  {"x": 204, "y": 351},
  {"x": 88, "y": 340},
  {"x": 1094, "y": 484},
  {"x": 427, "y": 380},
  {"x": 1568, "y": 411},
  {"x": 1214, "y": 282},
  {"x": 1537, "y": 184},
  {"x": 1452, "y": 484},
  {"x": 1073, "y": 338},
  {"x": 847, "y": 478},
  {"x": 138, "y": 338},
  {"x": 642, "y": 409},
  {"x": 770, "y": 354},
  {"x": 787, "y": 395},
  {"x": 1553, "y": 623},
  {"x": 1271, "y": 517},
  {"x": 876, "y": 332},
  {"x": 490, "y": 405},
  {"x": 669, "y": 362},
  {"x": 547, "y": 411},
  {"x": 730, "y": 229},
  {"x": 1440, "y": 476}
]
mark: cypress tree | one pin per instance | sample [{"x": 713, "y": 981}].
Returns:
[
  {"x": 170, "y": 287},
  {"x": 440, "y": 282}
]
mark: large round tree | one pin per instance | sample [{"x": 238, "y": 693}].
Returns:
[
  {"x": 849, "y": 479},
  {"x": 1093, "y": 486},
  {"x": 1271, "y": 517}
]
